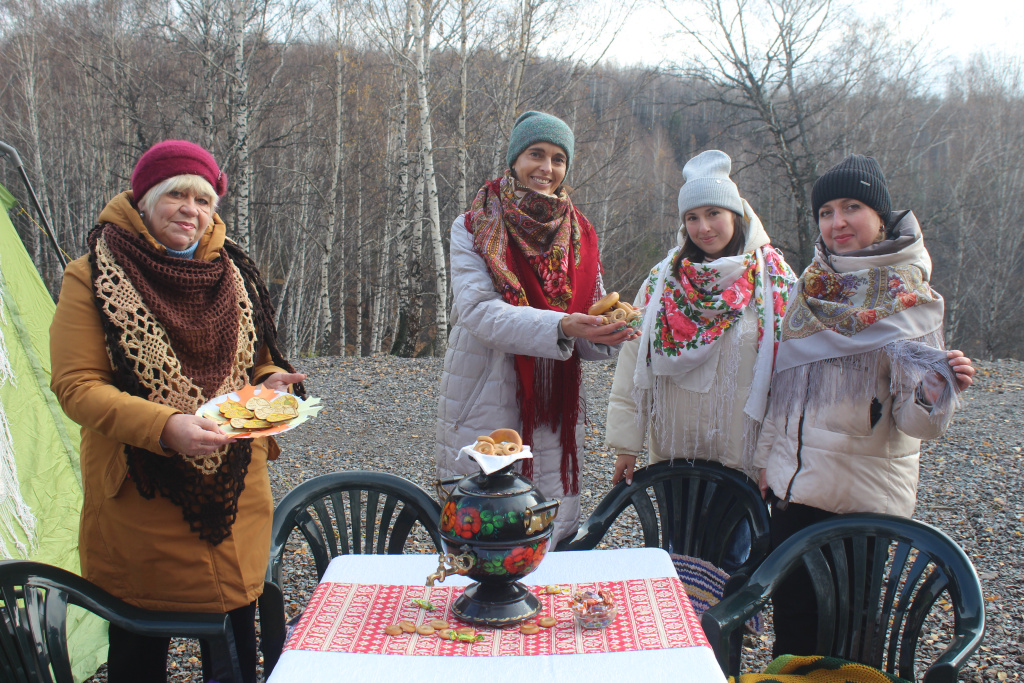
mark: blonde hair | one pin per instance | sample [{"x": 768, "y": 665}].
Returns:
[{"x": 193, "y": 184}]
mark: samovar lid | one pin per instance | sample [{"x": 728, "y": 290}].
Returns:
[{"x": 504, "y": 482}]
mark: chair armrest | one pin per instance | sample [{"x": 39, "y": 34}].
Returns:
[
  {"x": 953, "y": 658},
  {"x": 719, "y": 621},
  {"x": 587, "y": 537},
  {"x": 272, "y": 626}
]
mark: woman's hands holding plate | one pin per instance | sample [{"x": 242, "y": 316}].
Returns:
[{"x": 193, "y": 435}]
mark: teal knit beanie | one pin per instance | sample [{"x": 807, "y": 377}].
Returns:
[{"x": 536, "y": 126}]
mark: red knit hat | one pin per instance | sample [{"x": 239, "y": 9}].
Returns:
[{"x": 176, "y": 157}]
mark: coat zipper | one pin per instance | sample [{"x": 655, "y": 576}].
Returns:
[{"x": 799, "y": 458}]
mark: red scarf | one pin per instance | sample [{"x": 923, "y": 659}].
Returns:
[{"x": 548, "y": 391}]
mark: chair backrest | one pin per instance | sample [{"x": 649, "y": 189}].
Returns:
[
  {"x": 34, "y": 601},
  {"x": 356, "y": 512},
  {"x": 341, "y": 513},
  {"x": 876, "y": 579},
  {"x": 692, "y": 508}
]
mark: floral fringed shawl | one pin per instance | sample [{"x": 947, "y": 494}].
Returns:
[
  {"x": 689, "y": 308},
  {"x": 851, "y": 308}
]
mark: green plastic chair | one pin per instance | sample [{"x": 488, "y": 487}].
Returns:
[
  {"x": 341, "y": 513},
  {"x": 876, "y": 578},
  {"x": 703, "y": 503},
  {"x": 34, "y": 599}
]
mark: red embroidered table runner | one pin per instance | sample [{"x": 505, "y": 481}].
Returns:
[{"x": 346, "y": 617}]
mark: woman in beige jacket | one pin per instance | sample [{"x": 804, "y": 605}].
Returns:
[
  {"x": 861, "y": 376},
  {"x": 697, "y": 379},
  {"x": 163, "y": 314}
]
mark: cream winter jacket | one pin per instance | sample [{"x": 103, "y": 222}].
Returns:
[
  {"x": 693, "y": 434},
  {"x": 478, "y": 385},
  {"x": 858, "y": 456}
]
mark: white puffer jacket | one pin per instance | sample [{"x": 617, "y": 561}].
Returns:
[
  {"x": 851, "y": 457},
  {"x": 478, "y": 386}
]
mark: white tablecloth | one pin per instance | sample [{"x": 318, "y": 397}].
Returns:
[{"x": 678, "y": 665}]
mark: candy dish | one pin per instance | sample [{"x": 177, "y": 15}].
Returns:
[{"x": 593, "y": 609}]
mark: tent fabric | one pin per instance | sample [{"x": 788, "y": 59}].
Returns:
[{"x": 40, "y": 514}]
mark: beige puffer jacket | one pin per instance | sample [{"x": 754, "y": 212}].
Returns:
[{"x": 858, "y": 456}]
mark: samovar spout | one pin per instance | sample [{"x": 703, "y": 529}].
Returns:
[{"x": 449, "y": 564}]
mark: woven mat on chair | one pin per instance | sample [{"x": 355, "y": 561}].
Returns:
[
  {"x": 817, "y": 669},
  {"x": 705, "y": 585}
]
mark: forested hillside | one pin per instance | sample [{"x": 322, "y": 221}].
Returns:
[{"x": 354, "y": 133}]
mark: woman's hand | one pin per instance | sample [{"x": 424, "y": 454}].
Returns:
[
  {"x": 962, "y": 368},
  {"x": 597, "y": 329},
  {"x": 624, "y": 465},
  {"x": 193, "y": 435},
  {"x": 762, "y": 483},
  {"x": 279, "y": 381}
]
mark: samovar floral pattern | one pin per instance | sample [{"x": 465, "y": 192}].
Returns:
[
  {"x": 522, "y": 559},
  {"x": 469, "y": 522}
]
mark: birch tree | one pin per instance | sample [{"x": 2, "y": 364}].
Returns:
[{"x": 421, "y": 22}]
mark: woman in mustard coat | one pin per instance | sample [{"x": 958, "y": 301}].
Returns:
[{"x": 163, "y": 314}]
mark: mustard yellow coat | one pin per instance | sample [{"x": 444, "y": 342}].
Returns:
[{"x": 142, "y": 550}]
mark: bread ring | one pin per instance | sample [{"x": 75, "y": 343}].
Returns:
[
  {"x": 633, "y": 315},
  {"x": 617, "y": 315},
  {"x": 484, "y": 447},
  {"x": 606, "y": 302},
  {"x": 485, "y": 439},
  {"x": 512, "y": 448},
  {"x": 512, "y": 435},
  {"x": 625, "y": 306}
]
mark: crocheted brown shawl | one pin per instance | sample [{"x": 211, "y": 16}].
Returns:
[{"x": 179, "y": 332}]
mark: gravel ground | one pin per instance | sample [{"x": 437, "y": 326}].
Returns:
[{"x": 379, "y": 415}]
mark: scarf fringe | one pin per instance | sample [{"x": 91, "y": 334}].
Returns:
[
  {"x": 910, "y": 360},
  {"x": 555, "y": 401},
  {"x": 658, "y": 410}
]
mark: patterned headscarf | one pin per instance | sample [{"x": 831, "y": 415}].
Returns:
[
  {"x": 688, "y": 308},
  {"x": 849, "y": 308}
]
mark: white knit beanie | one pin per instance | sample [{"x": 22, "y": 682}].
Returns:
[{"x": 706, "y": 183}]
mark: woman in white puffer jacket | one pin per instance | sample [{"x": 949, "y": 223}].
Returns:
[{"x": 525, "y": 270}]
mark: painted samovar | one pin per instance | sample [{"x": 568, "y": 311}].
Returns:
[{"x": 496, "y": 529}]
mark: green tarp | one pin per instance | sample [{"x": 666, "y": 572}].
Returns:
[{"x": 43, "y": 442}]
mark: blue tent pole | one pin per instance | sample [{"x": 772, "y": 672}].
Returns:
[{"x": 8, "y": 151}]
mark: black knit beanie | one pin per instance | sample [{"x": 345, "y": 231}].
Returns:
[{"x": 855, "y": 177}]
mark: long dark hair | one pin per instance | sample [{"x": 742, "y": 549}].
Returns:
[{"x": 691, "y": 252}]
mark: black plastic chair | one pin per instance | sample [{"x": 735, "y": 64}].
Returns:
[
  {"x": 692, "y": 508},
  {"x": 342, "y": 513},
  {"x": 34, "y": 601},
  {"x": 876, "y": 579}
]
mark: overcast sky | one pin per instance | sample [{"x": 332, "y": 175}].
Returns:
[{"x": 957, "y": 28}]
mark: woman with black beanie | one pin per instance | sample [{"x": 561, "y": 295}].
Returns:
[{"x": 861, "y": 377}]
